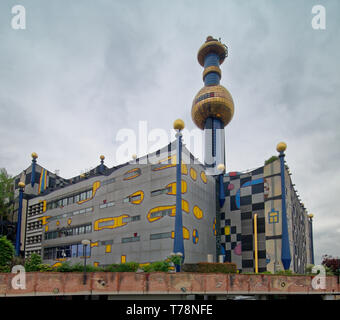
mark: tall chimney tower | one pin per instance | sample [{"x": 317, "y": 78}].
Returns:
[{"x": 213, "y": 106}]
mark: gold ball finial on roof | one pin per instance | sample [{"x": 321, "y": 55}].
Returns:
[
  {"x": 102, "y": 157},
  {"x": 221, "y": 167},
  {"x": 134, "y": 156},
  {"x": 281, "y": 147},
  {"x": 21, "y": 184},
  {"x": 179, "y": 124},
  {"x": 311, "y": 216},
  {"x": 34, "y": 155}
]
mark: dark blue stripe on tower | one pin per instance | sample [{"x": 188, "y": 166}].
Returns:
[
  {"x": 211, "y": 59},
  {"x": 211, "y": 78}
]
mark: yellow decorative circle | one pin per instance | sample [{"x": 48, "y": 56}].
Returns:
[
  {"x": 102, "y": 157},
  {"x": 212, "y": 101},
  {"x": 211, "y": 45},
  {"x": 34, "y": 155},
  {"x": 179, "y": 124},
  {"x": 203, "y": 177},
  {"x": 193, "y": 174},
  {"x": 281, "y": 147},
  {"x": 21, "y": 184},
  {"x": 198, "y": 213},
  {"x": 311, "y": 216}
]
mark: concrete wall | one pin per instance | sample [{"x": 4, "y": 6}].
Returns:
[{"x": 106, "y": 243}]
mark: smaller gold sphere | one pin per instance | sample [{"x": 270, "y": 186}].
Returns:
[
  {"x": 281, "y": 147},
  {"x": 311, "y": 215},
  {"x": 34, "y": 155},
  {"x": 134, "y": 156},
  {"x": 102, "y": 157},
  {"x": 221, "y": 167},
  {"x": 21, "y": 184},
  {"x": 179, "y": 124}
]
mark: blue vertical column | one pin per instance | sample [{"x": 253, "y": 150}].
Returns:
[
  {"x": 34, "y": 161},
  {"x": 285, "y": 249},
  {"x": 178, "y": 241},
  {"x": 311, "y": 238},
  {"x": 18, "y": 234}
]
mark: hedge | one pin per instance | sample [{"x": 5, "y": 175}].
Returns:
[{"x": 210, "y": 267}]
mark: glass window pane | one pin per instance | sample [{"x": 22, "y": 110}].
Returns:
[
  {"x": 80, "y": 250},
  {"x": 74, "y": 251}
]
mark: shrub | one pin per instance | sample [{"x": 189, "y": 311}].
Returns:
[
  {"x": 6, "y": 251},
  {"x": 64, "y": 267},
  {"x": 128, "y": 267},
  {"x": 5, "y": 269},
  {"x": 271, "y": 159},
  {"x": 210, "y": 267},
  {"x": 33, "y": 263},
  {"x": 43, "y": 267},
  {"x": 157, "y": 266}
]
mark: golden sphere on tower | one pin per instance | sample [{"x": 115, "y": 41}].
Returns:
[
  {"x": 311, "y": 216},
  {"x": 179, "y": 124},
  {"x": 281, "y": 147},
  {"x": 34, "y": 155},
  {"x": 102, "y": 157},
  {"x": 212, "y": 101},
  {"x": 21, "y": 184}
]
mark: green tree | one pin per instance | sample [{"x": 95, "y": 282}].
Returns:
[
  {"x": 6, "y": 252},
  {"x": 6, "y": 196}
]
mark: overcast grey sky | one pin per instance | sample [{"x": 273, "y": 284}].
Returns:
[{"x": 83, "y": 69}]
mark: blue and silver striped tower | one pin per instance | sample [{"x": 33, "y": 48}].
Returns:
[{"x": 213, "y": 106}]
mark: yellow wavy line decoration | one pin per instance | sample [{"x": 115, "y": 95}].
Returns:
[
  {"x": 44, "y": 220},
  {"x": 172, "y": 187},
  {"x": 95, "y": 187},
  {"x": 139, "y": 192},
  {"x": 94, "y": 244},
  {"x": 116, "y": 222},
  {"x": 137, "y": 174},
  {"x": 185, "y": 208}
]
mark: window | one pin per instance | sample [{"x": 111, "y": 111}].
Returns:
[
  {"x": 135, "y": 198},
  {"x": 131, "y": 239},
  {"x": 89, "y": 194},
  {"x": 76, "y": 198},
  {"x": 83, "y": 196},
  {"x": 160, "y": 191},
  {"x": 157, "y": 236}
]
